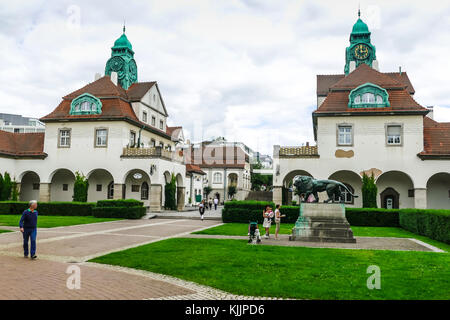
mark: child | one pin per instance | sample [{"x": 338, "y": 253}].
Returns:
[{"x": 201, "y": 209}]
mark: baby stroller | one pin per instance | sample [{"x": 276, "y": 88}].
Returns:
[{"x": 253, "y": 232}]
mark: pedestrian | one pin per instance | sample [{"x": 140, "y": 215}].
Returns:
[
  {"x": 28, "y": 227},
  {"x": 201, "y": 209},
  {"x": 210, "y": 202},
  {"x": 216, "y": 202},
  {"x": 267, "y": 215},
  {"x": 278, "y": 217}
]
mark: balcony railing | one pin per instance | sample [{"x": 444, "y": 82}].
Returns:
[
  {"x": 299, "y": 152},
  {"x": 154, "y": 152}
]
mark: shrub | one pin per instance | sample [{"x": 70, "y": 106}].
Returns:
[
  {"x": 120, "y": 203},
  {"x": 119, "y": 212},
  {"x": 372, "y": 217},
  {"x": 232, "y": 190},
  {"x": 80, "y": 188},
  {"x": 14, "y": 192},
  {"x": 369, "y": 191},
  {"x": 434, "y": 224},
  {"x": 244, "y": 211},
  {"x": 49, "y": 208},
  {"x": 170, "y": 194}
]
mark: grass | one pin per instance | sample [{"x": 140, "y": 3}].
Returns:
[
  {"x": 4, "y": 231},
  {"x": 53, "y": 221},
  {"x": 292, "y": 272},
  {"x": 241, "y": 229}
]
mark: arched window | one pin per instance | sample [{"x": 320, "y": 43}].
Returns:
[
  {"x": 217, "y": 178},
  {"x": 368, "y": 95},
  {"x": 85, "y": 104},
  {"x": 144, "y": 191},
  {"x": 111, "y": 190},
  {"x": 346, "y": 196}
]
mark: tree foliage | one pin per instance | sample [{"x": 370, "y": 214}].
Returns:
[
  {"x": 5, "y": 186},
  {"x": 80, "y": 188},
  {"x": 232, "y": 191},
  {"x": 260, "y": 181},
  {"x": 369, "y": 191},
  {"x": 170, "y": 191}
]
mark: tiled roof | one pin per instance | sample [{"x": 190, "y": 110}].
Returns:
[
  {"x": 399, "y": 98},
  {"x": 138, "y": 90},
  {"x": 22, "y": 145},
  {"x": 195, "y": 169},
  {"x": 436, "y": 136},
  {"x": 213, "y": 156},
  {"x": 171, "y": 130},
  {"x": 102, "y": 87},
  {"x": 325, "y": 82},
  {"x": 299, "y": 152}
]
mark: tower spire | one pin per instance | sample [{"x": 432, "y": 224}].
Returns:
[
  {"x": 359, "y": 10},
  {"x": 124, "y": 25}
]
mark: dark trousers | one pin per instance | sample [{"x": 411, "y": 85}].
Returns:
[
  {"x": 29, "y": 233},
  {"x": 215, "y": 206}
]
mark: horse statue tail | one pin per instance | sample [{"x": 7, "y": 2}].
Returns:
[{"x": 346, "y": 188}]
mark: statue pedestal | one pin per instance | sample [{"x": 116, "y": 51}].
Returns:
[{"x": 322, "y": 222}]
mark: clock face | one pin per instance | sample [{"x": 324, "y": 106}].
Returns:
[
  {"x": 361, "y": 51},
  {"x": 115, "y": 64},
  {"x": 133, "y": 70}
]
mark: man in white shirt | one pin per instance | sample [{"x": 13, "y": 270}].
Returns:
[{"x": 216, "y": 202}]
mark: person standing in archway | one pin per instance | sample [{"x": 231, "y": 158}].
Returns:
[{"x": 28, "y": 227}]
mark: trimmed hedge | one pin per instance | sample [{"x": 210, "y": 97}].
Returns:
[
  {"x": 49, "y": 208},
  {"x": 120, "y": 203},
  {"x": 372, "y": 217},
  {"x": 119, "y": 212},
  {"x": 434, "y": 224}
]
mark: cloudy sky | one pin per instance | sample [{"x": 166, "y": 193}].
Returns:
[{"x": 243, "y": 69}]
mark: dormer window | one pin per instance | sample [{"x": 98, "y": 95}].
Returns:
[
  {"x": 368, "y": 96},
  {"x": 85, "y": 104}
]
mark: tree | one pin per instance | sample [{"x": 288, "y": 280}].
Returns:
[
  {"x": 14, "y": 191},
  {"x": 232, "y": 191},
  {"x": 170, "y": 194},
  {"x": 5, "y": 187},
  {"x": 369, "y": 191},
  {"x": 207, "y": 190},
  {"x": 260, "y": 181},
  {"x": 80, "y": 188}
]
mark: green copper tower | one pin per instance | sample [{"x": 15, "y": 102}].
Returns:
[
  {"x": 361, "y": 49},
  {"x": 122, "y": 61}
]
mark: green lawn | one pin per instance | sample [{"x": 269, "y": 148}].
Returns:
[
  {"x": 52, "y": 221},
  {"x": 241, "y": 229},
  {"x": 4, "y": 231},
  {"x": 292, "y": 272}
]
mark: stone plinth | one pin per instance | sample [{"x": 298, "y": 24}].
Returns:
[{"x": 322, "y": 222}]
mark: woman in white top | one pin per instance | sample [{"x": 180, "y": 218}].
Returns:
[
  {"x": 267, "y": 215},
  {"x": 278, "y": 217}
]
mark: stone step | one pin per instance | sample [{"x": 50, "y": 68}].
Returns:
[
  {"x": 325, "y": 232},
  {"x": 324, "y": 239}
]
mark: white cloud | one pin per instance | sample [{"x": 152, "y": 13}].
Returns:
[{"x": 244, "y": 69}]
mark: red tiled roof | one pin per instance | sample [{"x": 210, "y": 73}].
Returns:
[
  {"x": 195, "y": 169},
  {"x": 213, "y": 156},
  {"x": 22, "y": 145},
  {"x": 436, "y": 136},
  {"x": 138, "y": 89},
  {"x": 102, "y": 87},
  {"x": 325, "y": 82}
]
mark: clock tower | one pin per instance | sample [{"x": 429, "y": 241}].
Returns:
[
  {"x": 361, "y": 49},
  {"x": 122, "y": 61}
]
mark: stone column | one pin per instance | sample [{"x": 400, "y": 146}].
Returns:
[
  {"x": 44, "y": 192},
  {"x": 18, "y": 184},
  {"x": 420, "y": 198},
  {"x": 155, "y": 197},
  {"x": 180, "y": 198},
  {"x": 277, "y": 196},
  {"x": 118, "y": 191}
]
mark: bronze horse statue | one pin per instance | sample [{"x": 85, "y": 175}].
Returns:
[{"x": 307, "y": 186}]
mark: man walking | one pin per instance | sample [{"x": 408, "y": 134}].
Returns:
[
  {"x": 216, "y": 202},
  {"x": 28, "y": 226}
]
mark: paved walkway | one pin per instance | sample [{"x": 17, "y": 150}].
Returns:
[{"x": 192, "y": 213}]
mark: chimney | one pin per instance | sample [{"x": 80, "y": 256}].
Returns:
[
  {"x": 114, "y": 77},
  {"x": 430, "y": 114},
  {"x": 352, "y": 66},
  {"x": 97, "y": 76},
  {"x": 400, "y": 70},
  {"x": 307, "y": 143},
  {"x": 375, "y": 65}
]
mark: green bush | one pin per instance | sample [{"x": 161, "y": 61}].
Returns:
[
  {"x": 80, "y": 188},
  {"x": 244, "y": 211},
  {"x": 170, "y": 192},
  {"x": 120, "y": 203},
  {"x": 369, "y": 191},
  {"x": 119, "y": 212},
  {"x": 434, "y": 224},
  {"x": 372, "y": 217},
  {"x": 49, "y": 208}
]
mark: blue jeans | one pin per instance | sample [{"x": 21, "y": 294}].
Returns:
[{"x": 29, "y": 233}]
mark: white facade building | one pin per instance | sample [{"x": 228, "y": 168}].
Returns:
[
  {"x": 368, "y": 121},
  {"x": 114, "y": 131},
  {"x": 18, "y": 124}
]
